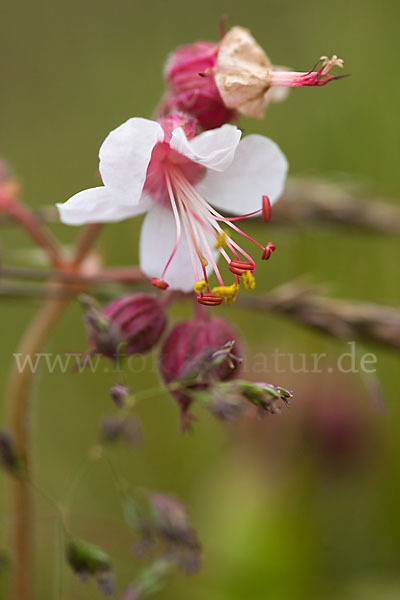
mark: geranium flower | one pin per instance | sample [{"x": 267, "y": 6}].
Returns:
[{"x": 180, "y": 179}]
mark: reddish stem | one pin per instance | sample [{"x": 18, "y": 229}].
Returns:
[{"x": 22, "y": 215}]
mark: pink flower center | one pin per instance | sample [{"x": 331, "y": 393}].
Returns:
[{"x": 165, "y": 160}]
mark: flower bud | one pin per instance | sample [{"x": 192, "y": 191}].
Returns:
[
  {"x": 88, "y": 560},
  {"x": 139, "y": 321},
  {"x": 121, "y": 395},
  {"x": 190, "y": 75},
  {"x": 152, "y": 579},
  {"x": 195, "y": 354},
  {"x": 265, "y": 396},
  {"x": 122, "y": 428},
  {"x": 9, "y": 456}
]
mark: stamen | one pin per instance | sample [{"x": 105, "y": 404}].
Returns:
[
  {"x": 200, "y": 219},
  {"x": 221, "y": 240},
  {"x": 268, "y": 250},
  {"x": 177, "y": 223},
  {"x": 266, "y": 209},
  {"x": 212, "y": 216},
  {"x": 228, "y": 292},
  {"x": 159, "y": 283},
  {"x": 190, "y": 231},
  {"x": 200, "y": 287},
  {"x": 239, "y": 267},
  {"x": 209, "y": 300},
  {"x": 211, "y": 256},
  {"x": 329, "y": 63},
  {"x": 316, "y": 77},
  {"x": 249, "y": 280}
]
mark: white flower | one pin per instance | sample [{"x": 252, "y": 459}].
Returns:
[{"x": 177, "y": 177}]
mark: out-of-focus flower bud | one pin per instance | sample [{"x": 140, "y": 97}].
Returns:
[
  {"x": 190, "y": 76},
  {"x": 149, "y": 582},
  {"x": 121, "y": 395},
  {"x": 88, "y": 560},
  {"x": 119, "y": 427},
  {"x": 141, "y": 320},
  {"x": 172, "y": 525},
  {"x": 104, "y": 337},
  {"x": 197, "y": 353},
  {"x": 165, "y": 530},
  {"x": 131, "y": 324},
  {"x": 225, "y": 402},
  {"x": 9, "y": 456}
]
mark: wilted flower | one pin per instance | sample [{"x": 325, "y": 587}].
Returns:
[
  {"x": 196, "y": 353},
  {"x": 177, "y": 177},
  {"x": 214, "y": 82},
  {"x": 247, "y": 80},
  {"x": 88, "y": 560}
]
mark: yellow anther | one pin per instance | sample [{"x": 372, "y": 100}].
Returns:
[
  {"x": 200, "y": 286},
  {"x": 221, "y": 240},
  {"x": 228, "y": 292},
  {"x": 203, "y": 261},
  {"x": 249, "y": 280}
]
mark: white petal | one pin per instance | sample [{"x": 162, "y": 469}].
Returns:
[
  {"x": 125, "y": 155},
  {"x": 97, "y": 205},
  {"x": 259, "y": 169},
  {"x": 213, "y": 149},
  {"x": 157, "y": 240}
]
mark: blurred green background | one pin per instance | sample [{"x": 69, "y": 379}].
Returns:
[{"x": 302, "y": 505}]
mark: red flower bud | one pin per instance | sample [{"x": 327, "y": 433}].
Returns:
[
  {"x": 190, "y": 75},
  {"x": 189, "y": 350},
  {"x": 140, "y": 320}
]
